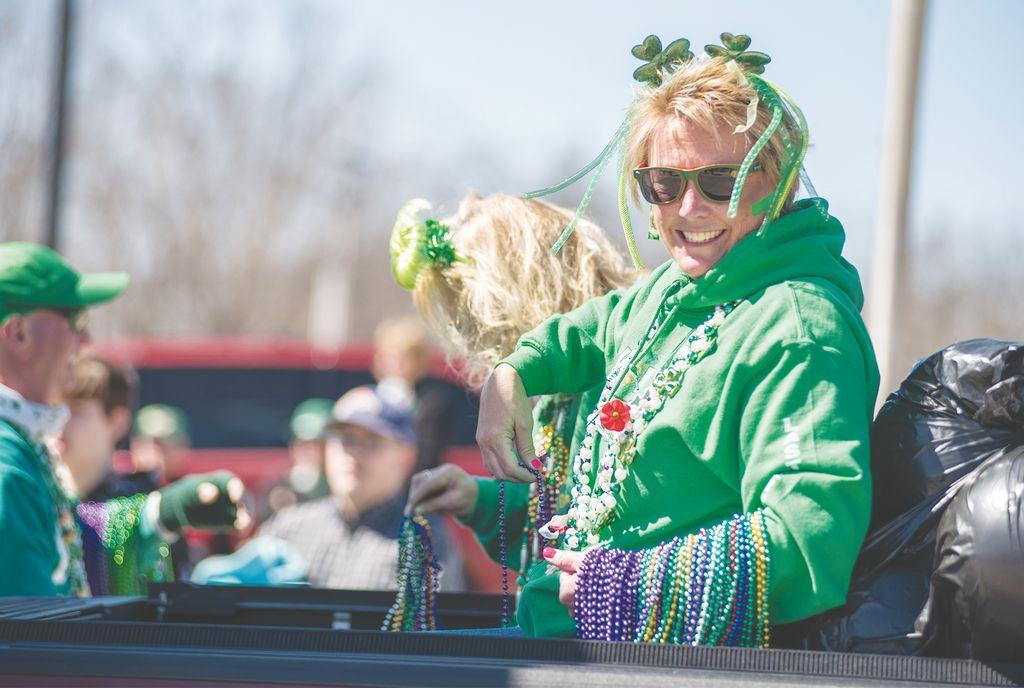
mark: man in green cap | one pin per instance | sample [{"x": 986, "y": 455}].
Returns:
[
  {"x": 305, "y": 480},
  {"x": 160, "y": 441},
  {"x": 43, "y": 307}
]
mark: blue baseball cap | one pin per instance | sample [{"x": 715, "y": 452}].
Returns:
[{"x": 366, "y": 408}]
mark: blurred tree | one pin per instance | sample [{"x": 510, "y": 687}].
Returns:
[
  {"x": 25, "y": 63},
  {"x": 219, "y": 166}
]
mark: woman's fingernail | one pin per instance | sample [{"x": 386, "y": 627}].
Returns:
[
  {"x": 548, "y": 552},
  {"x": 536, "y": 463},
  {"x": 558, "y": 529}
]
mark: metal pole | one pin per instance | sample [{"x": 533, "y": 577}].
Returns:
[
  {"x": 59, "y": 114},
  {"x": 906, "y": 26}
]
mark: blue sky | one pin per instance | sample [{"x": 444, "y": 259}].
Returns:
[
  {"x": 532, "y": 90},
  {"x": 525, "y": 81}
]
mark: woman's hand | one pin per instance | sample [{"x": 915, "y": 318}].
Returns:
[
  {"x": 569, "y": 563},
  {"x": 446, "y": 490},
  {"x": 506, "y": 427}
]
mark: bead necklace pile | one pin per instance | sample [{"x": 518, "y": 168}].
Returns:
[
  {"x": 709, "y": 588},
  {"x": 619, "y": 423},
  {"x": 120, "y": 565},
  {"x": 419, "y": 580}
]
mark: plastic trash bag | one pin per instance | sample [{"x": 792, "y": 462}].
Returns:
[
  {"x": 958, "y": 409},
  {"x": 976, "y": 607}
]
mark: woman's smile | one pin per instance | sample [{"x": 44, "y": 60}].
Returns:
[{"x": 699, "y": 238}]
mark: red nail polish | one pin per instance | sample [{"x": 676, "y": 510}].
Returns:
[
  {"x": 548, "y": 552},
  {"x": 558, "y": 529},
  {"x": 536, "y": 463}
]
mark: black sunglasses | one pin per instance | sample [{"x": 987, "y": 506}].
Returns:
[{"x": 665, "y": 185}]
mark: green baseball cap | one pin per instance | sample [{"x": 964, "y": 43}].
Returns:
[
  {"x": 34, "y": 277},
  {"x": 162, "y": 422},
  {"x": 310, "y": 419}
]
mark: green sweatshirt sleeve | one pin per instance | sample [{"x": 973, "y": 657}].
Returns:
[
  {"x": 28, "y": 541},
  {"x": 484, "y": 521},
  {"x": 566, "y": 353},
  {"x": 804, "y": 436}
]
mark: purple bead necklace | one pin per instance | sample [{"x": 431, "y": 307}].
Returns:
[{"x": 544, "y": 516}]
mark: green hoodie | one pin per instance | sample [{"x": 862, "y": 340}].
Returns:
[{"x": 776, "y": 417}]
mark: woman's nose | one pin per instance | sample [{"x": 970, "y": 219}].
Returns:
[{"x": 692, "y": 204}]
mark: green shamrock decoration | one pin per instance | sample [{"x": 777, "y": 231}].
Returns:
[
  {"x": 659, "y": 61},
  {"x": 437, "y": 245},
  {"x": 735, "y": 48}
]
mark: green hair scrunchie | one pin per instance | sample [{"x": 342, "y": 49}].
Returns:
[{"x": 418, "y": 244}]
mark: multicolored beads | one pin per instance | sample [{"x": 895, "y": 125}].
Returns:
[
  {"x": 123, "y": 567},
  {"x": 709, "y": 588},
  {"x": 419, "y": 580},
  {"x": 553, "y": 418}
]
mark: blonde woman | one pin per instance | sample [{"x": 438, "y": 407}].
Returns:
[
  {"x": 480, "y": 279},
  {"x": 722, "y": 483}
]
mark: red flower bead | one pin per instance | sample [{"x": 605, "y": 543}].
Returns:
[{"x": 615, "y": 415}]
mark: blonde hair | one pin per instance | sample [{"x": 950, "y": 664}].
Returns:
[
  {"x": 711, "y": 93},
  {"x": 509, "y": 280}
]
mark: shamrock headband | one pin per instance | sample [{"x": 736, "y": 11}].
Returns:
[
  {"x": 659, "y": 62},
  {"x": 418, "y": 244}
]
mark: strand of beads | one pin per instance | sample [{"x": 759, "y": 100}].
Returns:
[
  {"x": 709, "y": 588},
  {"x": 552, "y": 413},
  {"x": 503, "y": 555},
  {"x": 70, "y": 534},
  {"x": 125, "y": 568},
  {"x": 542, "y": 511},
  {"x": 419, "y": 580}
]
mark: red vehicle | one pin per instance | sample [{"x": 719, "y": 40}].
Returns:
[{"x": 238, "y": 396}]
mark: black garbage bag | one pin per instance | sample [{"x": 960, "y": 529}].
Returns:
[
  {"x": 958, "y": 409},
  {"x": 976, "y": 606}
]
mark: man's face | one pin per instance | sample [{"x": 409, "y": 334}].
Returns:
[
  {"x": 307, "y": 453},
  {"x": 165, "y": 459},
  {"x": 365, "y": 467},
  {"x": 48, "y": 349}
]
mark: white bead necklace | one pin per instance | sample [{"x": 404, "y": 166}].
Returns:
[{"x": 619, "y": 423}]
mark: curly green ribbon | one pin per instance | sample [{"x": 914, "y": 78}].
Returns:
[
  {"x": 627, "y": 224},
  {"x": 755, "y": 150},
  {"x": 596, "y": 166}
]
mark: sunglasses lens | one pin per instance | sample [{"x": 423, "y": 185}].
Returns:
[
  {"x": 659, "y": 186},
  {"x": 717, "y": 182}
]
